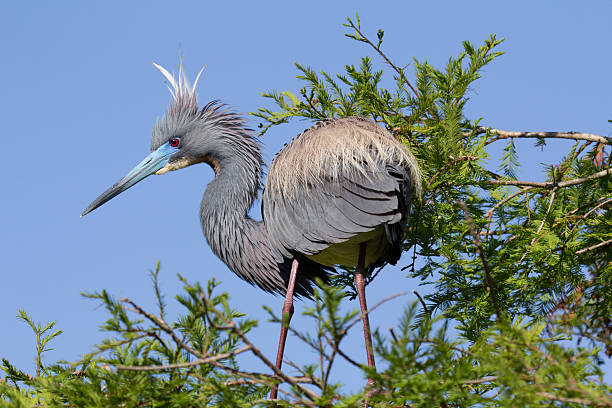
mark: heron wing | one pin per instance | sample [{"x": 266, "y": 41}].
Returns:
[{"x": 334, "y": 211}]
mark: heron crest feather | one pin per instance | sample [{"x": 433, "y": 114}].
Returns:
[{"x": 181, "y": 90}]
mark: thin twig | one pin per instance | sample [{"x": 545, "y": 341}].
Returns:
[
  {"x": 186, "y": 364},
  {"x": 336, "y": 347},
  {"x": 550, "y": 203},
  {"x": 164, "y": 326},
  {"x": 393, "y": 334},
  {"x": 370, "y": 310},
  {"x": 422, "y": 301},
  {"x": 232, "y": 326},
  {"x": 608, "y": 242},
  {"x": 387, "y": 60},
  {"x": 580, "y": 401},
  {"x": 446, "y": 166},
  {"x": 485, "y": 263},
  {"x": 113, "y": 345},
  {"x": 551, "y": 184},
  {"x": 437, "y": 342},
  {"x": 537, "y": 237},
  {"x": 591, "y": 211},
  {"x": 507, "y": 134},
  {"x": 481, "y": 380},
  {"x": 303, "y": 380},
  {"x": 502, "y": 202},
  {"x": 259, "y": 377}
]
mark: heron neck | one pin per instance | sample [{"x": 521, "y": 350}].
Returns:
[{"x": 226, "y": 203}]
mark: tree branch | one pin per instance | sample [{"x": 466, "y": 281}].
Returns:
[
  {"x": 608, "y": 242},
  {"x": 164, "y": 326},
  {"x": 446, "y": 166},
  {"x": 358, "y": 318},
  {"x": 232, "y": 326},
  {"x": 550, "y": 184},
  {"x": 186, "y": 364},
  {"x": 387, "y": 60},
  {"x": 490, "y": 284},
  {"x": 507, "y": 134}
]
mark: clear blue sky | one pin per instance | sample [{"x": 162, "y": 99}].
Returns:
[{"x": 80, "y": 98}]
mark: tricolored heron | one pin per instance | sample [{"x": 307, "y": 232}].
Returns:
[{"x": 337, "y": 194}]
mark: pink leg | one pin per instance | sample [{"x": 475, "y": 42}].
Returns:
[
  {"x": 287, "y": 313},
  {"x": 360, "y": 286}
]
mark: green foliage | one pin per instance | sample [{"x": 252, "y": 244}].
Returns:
[
  {"x": 146, "y": 361},
  {"x": 191, "y": 362},
  {"x": 519, "y": 312}
]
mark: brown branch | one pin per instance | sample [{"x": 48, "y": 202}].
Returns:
[
  {"x": 550, "y": 203},
  {"x": 302, "y": 380},
  {"x": 393, "y": 334},
  {"x": 337, "y": 349},
  {"x": 370, "y": 310},
  {"x": 490, "y": 284},
  {"x": 312, "y": 105},
  {"x": 186, "y": 364},
  {"x": 164, "y": 326},
  {"x": 608, "y": 242},
  {"x": 259, "y": 377},
  {"x": 575, "y": 400},
  {"x": 232, "y": 326},
  {"x": 585, "y": 216},
  {"x": 506, "y": 134},
  {"x": 481, "y": 380},
  {"x": 604, "y": 197},
  {"x": 505, "y": 200},
  {"x": 550, "y": 184},
  {"x": 537, "y": 237},
  {"x": 422, "y": 301},
  {"x": 446, "y": 166},
  {"x": 387, "y": 60},
  {"x": 437, "y": 342}
]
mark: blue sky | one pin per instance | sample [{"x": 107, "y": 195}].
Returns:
[{"x": 80, "y": 98}]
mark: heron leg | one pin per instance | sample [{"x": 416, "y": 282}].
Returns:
[
  {"x": 286, "y": 318},
  {"x": 360, "y": 286}
]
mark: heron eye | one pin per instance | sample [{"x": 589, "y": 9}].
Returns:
[{"x": 174, "y": 142}]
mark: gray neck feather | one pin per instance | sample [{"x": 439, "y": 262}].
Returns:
[
  {"x": 227, "y": 200},
  {"x": 238, "y": 240}
]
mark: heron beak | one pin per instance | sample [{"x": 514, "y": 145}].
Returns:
[{"x": 151, "y": 164}]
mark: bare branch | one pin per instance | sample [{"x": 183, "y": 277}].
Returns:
[
  {"x": 580, "y": 401},
  {"x": 385, "y": 300},
  {"x": 186, "y": 364},
  {"x": 505, "y": 200},
  {"x": 164, "y": 326},
  {"x": 446, "y": 166},
  {"x": 422, "y": 301},
  {"x": 232, "y": 326},
  {"x": 506, "y": 134},
  {"x": 481, "y": 380},
  {"x": 588, "y": 213},
  {"x": 260, "y": 377},
  {"x": 387, "y": 60},
  {"x": 550, "y": 184},
  {"x": 537, "y": 237},
  {"x": 601, "y": 244},
  {"x": 336, "y": 348}
]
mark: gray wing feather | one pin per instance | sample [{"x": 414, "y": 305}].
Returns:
[
  {"x": 264, "y": 271},
  {"x": 333, "y": 212}
]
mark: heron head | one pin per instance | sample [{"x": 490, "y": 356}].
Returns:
[{"x": 178, "y": 139}]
